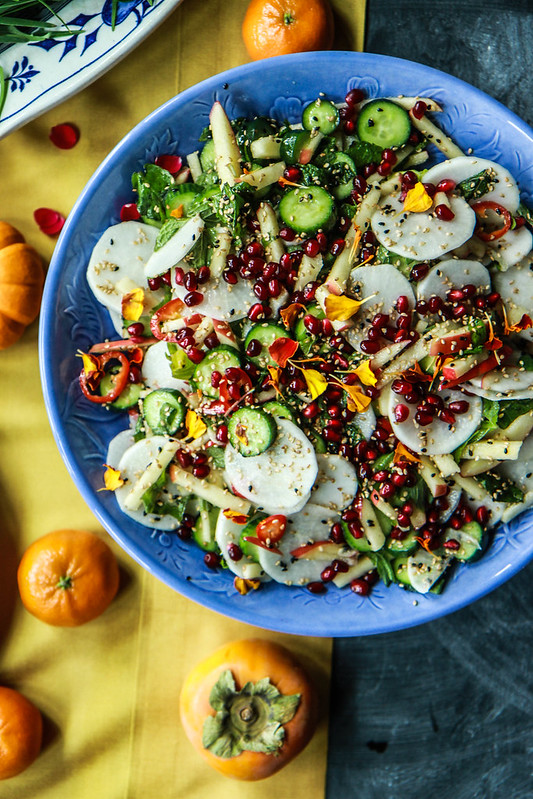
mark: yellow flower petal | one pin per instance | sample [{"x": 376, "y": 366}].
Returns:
[
  {"x": 243, "y": 586},
  {"x": 133, "y": 305},
  {"x": 89, "y": 364},
  {"x": 417, "y": 199},
  {"x": 194, "y": 424},
  {"x": 235, "y": 516},
  {"x": 112, "y": 479},
  {"x": 340, "y": 308},
  {"x": 357, "y": 400},
  {"x": 365, "y": 374},
  {"x": 316, "y": 382},
  {"x": 401, "y": 453}
]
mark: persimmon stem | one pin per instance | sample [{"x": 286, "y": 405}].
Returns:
[
  {"x": 64, "y": 582},
  {"x": 287, "y": 18}
]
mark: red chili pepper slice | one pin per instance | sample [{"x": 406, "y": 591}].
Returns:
[
  {"x": 243, "y": 385},
  {"x": 271, "y": 529},
  {"x": 171, "y": 310},
  {"x": 119, "y": 380},
  {"x": 481, "y": 210}
]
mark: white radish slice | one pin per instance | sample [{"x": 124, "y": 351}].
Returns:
[
  {"x": 221, "y": 300},
  {"x": 424, "y": 569},
  {"x": 458, "y": 169},
  {"x": 312, "y": 524},
  {"x": 120, "y": 255},
  {"x": 116, "y": 319},
  {"x": 176, "y": 248},
  {"x": 422, "y": 235},
  {"x": 382, "y": 284},
  {"x": 132, "y": 465},
  {"x": 335, "y": 484},
  {"x": 437, "y": 437},
  {"x": 505, "y": 382},
  {"x": 510, "y": 248},
  {"x": 280, "y": 479},
  {"x": 156, "y": 371},
  {"x": 366, "y": 422},
  {"x": 450, "y": 274},
  {"x": 118, "y": 446},
  {"x": 520, "y": 471},
  {"x": 226, "y": 533},
  {"x": 453, "y": 497},
  {"x": 515, "y": 287}
]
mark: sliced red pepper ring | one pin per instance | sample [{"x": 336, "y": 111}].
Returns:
[
  {"x": 482, "y": 210},
  {"x": 169, "y": 312},
  {"x": 89, "y": 382},
  {"x": 243, "y": 383},
  {"x": 131, "y": 345}
]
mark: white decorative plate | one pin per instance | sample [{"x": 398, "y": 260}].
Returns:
[{"x": 42, "y": 75}]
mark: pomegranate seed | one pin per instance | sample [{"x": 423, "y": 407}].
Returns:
[
  {"x": 337, "y": 247},
  {"x": 134, "y": 375},
  {"x": 190, "y": 282},
  {"x": 256, "y": 312},
  {"x": 452, "y": 544},
  {"x": 201, "y": 471},
  {"x": 136, "y": 329},
  {"x": 455, "y": 295},
  {"x": 337, "y": 533},
  {"x": 274, "y": 287},
  {"x": 433, "y": 516},
  {"x": 327, "y": 327},
  {"x": 129, "y": 212},
  {"x": 216, "y": 377},
  {"x": 482, "y": 515},
  {"x": 345, "y": 451},
  {"x": 222, "y": 434},
  {"x": 184, "y": 458},
  {"x": 204, "y": 273},
  {"x": 333, "y": 436},
  {"x": 430, "y": 188},
  {"x": 311, "y": 411},
  {"x": 381, "y": 476},
  {"x": 211, "y": 341},
  {"x": 172, "y": 163},
  {"x": 408, "y": 180},
  {"x": 230, "y": 277},
  {"x": 354, "y": 97},
  {"x": 422, "y": 308},
  {"x": 287, "y": 234},
  {"x": 398, "y": 534},
  {"x": 469, "y": 290},
  {"x": 195, "y": 355},
  {"x": 435, "y": 401},
  {"x": 419, "y": 271},
  {"x": 311, "y": 248},
  {"x": 493, "y": 298},
  {"x": 387, "y": 490},
  {"x": 369, "y": 347},
  {"x": 359, "y": 185},
  {"x": 435, "y": 304},
  {"x": 455, "y": 522},
  {"x": 310, "y": 290},
  {"x": 212, "y": 560},
  {"x": 349, "y": 515},
  {"x": 167, "y": 278},
  {"x": 446, "y": 185},
  {"x": 234, "y": 551},
  {"x": 399, "y": 480},
  {"x": 419, "y": 109},
  {"x": 183, "y": 532},
  {"x": 459, "y": 406},
  {"x": 401, "y": 386},
  {"x": 403, "y": 519},
  {"x": 316, "y": 587},
  {"x": 355, "y": 529},
  {"x": 193, "y": 298},
  {"x": 349, "y": 127},
  {"x": 481, "y": 303},
  {"x": 64, "y": 136},
  {"x": 404, "y": 321},
  {"x": 446, "y": 416},
  {"x": 339, "y": 566},
  {"x": 312, "y": 324},
  {"x": 322, "y": 241},
  {"x": 199, "y": 458},
  {"x": 261, "y": 291},
  {"x": 360, "y": 586},
  {"x": 423, "y": 418},
  {"x": 402, "y": 304},
  {"x": 292, "y": 173},
  {"x": 384, "y": 168},
  {"x": 327, "y": 574}
]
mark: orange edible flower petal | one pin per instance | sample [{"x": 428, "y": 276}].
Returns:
[
  {"x": 316, "y": 382},
  {"x": 401, "y": 453},
  {"x": 244, "y": 586},
  {"x": 235, "y": 516},
  {"x": 112, "y": 479},
  {"x": 424, "y": 543},
  {"x": 524, "y": 324},
  {"x": 133, "y": 305},
  {"x": 282, "y": 349},
  {"x": 417, "y": 199},
  {"x": 290, "y": 313},
  {"x": 177, "y": 213},
  {"x": 196, "y": 427},
  {"x": 341, "y": 308}
]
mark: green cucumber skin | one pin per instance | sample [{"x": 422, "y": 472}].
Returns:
[
  {"x": 216, "y": 360},
  {"x": 384, "y": 123},
  {"x": 127, "y": 399},
  {"x": 321, "y": 115},
  {"x": 256, "y": 426},
  {"x": 265, "y": 333},
  {"x": 154, "y": 404},
  {"x": 276, "y": 408},
  {"x": 307, "y": 209}
]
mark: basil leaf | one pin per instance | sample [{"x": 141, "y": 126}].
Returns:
[
  {"x": 526, "y": 362},
  {"x": 149, "y": 498},
  {"x": 383, "y": 566},
  {"x": 526, "y": 212},
  {"x": 402, "y": 264},
  {"x": 509, "y": 410},
  {"x": 489, "y": 422},
  {"x": 168, "y": 229},
  {"x": 363, "y": 153},
  {"x": 151, "y": 185},
  {"x": 478, "y": 185},
  {"x": 217, "y": 454},
  {"x": 501, "y": 490}
]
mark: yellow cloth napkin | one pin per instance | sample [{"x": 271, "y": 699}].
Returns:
[{"x": 109, "y": 690}]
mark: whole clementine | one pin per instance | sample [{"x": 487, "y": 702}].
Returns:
[
  {"x": 68, "y": 577},
  {"x": 277, "y": 27},
  {"x": 21, "y": 732}
]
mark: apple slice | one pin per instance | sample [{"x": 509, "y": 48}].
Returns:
[
  {"x": 322, "y": 550},
  {"x": 432, "y": 477},
  {"x": 456, "y": 369}
]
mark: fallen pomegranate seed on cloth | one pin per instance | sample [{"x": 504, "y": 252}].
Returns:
[{"x": 50, "y": 222}]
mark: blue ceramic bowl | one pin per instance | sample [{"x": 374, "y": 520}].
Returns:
[{"x": 71, "y": 319}]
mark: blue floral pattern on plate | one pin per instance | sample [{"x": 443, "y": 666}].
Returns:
[
  {"x": 43, "y": 74},
  {"x": 71, "y": 319}
]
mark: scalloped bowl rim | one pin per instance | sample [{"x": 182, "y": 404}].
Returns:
[{"x": 320, "y": 620}]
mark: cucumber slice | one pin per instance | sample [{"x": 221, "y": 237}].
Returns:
[
  {"x": 294, "y": 144},
  {"x": 450, "y": 274},
  {"x": 384, "y": 123},
  {"x": 227, "y": 533},
  {"x": 344, "y": 170},
  {"x": 300, "y": 331},
  {"x": 164, "y": 411},
  {"x": 203, "y": 531},
  {"x": 307, "y": 209},
  {"x": 127, "y": 399},
  {"x": 404, "y": 547},
  {"x": 207, "y": 155},
  {"x": 279, "y": 410},
  {"x": 336, "y": 483},
  {"x": 321, "y": 115},
  {"x": 251, "y": 431},
  {"x": 217, "y": 360},
  {"x": 424, "y": 569},
  {"x": 183, "y": 195},
  {"x": 280, "y": 479},
  {"x": 399, "y": 567},
  {"x": 472, "y": 540},
  {"x": 265, "y": 334}
]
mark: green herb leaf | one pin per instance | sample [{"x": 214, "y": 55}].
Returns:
[
  {"x": 478, "y": 185},
  {"x": 363, "y": 153},
  {"x": 402, "y": 264},
  {"x": 509, "y": 410},
  {"x": 489, "y": 422},
  {"x": 501, "y": 490},
  {"x": 383, "y": 566}
]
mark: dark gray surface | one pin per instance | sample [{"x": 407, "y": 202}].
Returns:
[{"x": 445, "y": 709}]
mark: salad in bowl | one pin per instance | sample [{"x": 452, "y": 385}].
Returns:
[{"x": 323, "y": 355}]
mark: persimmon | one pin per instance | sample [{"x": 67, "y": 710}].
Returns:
[
  {"x": 68, "y": 577},
  {"x": 249, "y": 708},
  {"x": 21, "y": 731},
  {"x": 278, "y": 27}
]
